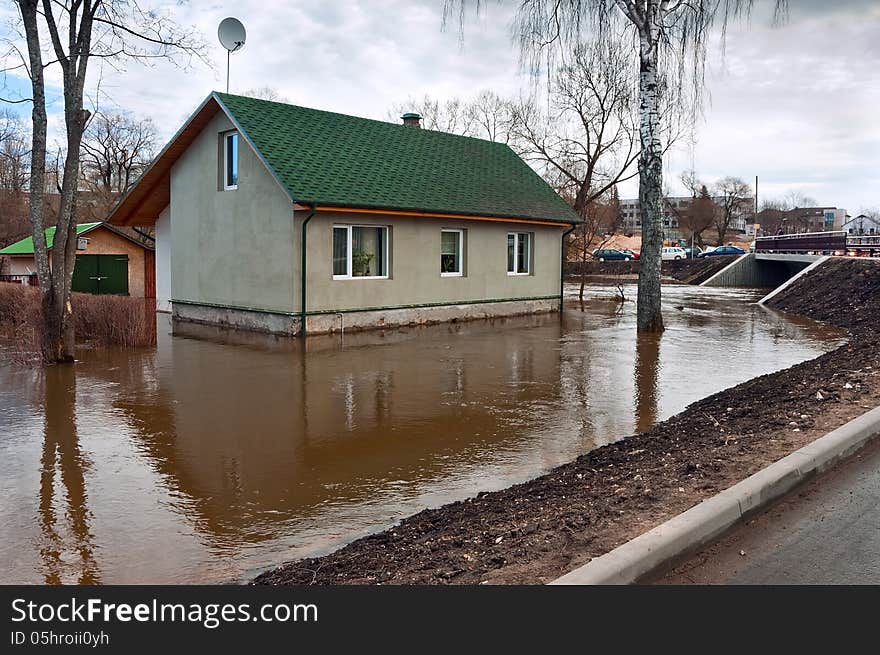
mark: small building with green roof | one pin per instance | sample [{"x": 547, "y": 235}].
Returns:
[
  {"x": 291, "y": 220},
  {"x": 108, "y": 261}
]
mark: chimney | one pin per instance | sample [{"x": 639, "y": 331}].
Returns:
[{"x": 411, "y": 119}]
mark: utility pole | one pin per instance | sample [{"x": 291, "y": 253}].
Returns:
[{"x": 756, "y": 195}]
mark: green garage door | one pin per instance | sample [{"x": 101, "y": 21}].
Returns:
[{"x": 101, "y": 274}]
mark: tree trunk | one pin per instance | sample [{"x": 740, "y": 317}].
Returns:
[
  {"x": 58, "y": 328},
  {"x": 722, "y": 232},
  {"x": 51, "y": 337},
  {"x": 585, "y": 256},
  {"x": 649, "y": 317}
]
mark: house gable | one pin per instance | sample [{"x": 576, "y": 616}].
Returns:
[
  {"x": 339, "y": 161},
  {"x": 864, "y": 223}
]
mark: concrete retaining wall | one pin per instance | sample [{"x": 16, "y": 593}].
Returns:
[
  {"x": 791, "y": 281},
  {"x": 754, "y": 272}
]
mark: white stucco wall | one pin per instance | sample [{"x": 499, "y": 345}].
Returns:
[
  {"x": 163, "y": 261},
  {"x": 232, "y": 248}
]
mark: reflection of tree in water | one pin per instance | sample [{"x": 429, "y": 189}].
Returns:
[
  {"x": 63, "y": 459},
  {"x": 646, "y": 373}
]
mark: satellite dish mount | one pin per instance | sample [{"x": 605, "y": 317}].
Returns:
[{"x": 232, "y": 37}]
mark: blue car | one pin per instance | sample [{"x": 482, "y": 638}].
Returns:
[
  {"x": 723, "y": 250},
  {"x": 612, "y": 255}
]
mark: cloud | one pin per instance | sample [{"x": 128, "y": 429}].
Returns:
[{"x": 793, "y": 104}]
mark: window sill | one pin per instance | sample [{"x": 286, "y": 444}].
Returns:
[
  {"x": 517, "y": 274},
  {"x": 451, "y": 274},
  {"x": 360, "y": 277},
  {"x": 230, "y": 188}
]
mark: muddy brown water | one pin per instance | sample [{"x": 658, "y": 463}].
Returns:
[{"x": 216, "y": 455}]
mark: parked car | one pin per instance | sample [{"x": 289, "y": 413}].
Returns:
[
  {"x": 611, "y": 255},
  {"x": 724, "y": 250},
  {"x": 692, "y": 252},
  {"x": 631, "y": 253},
  {"x": 672, "y": 252}
]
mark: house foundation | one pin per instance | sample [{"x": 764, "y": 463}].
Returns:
[{"x": 280, "y": 323}]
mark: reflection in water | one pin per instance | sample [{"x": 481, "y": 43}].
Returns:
[
  {"x": 63, "y": 497},
  {"x": 206, "y": 459},
  {"x": 647, "y": 371}
]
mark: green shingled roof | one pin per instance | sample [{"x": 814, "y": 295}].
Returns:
[
  {"x": 334, "y": 159},
  {"x": 26, "y": 246}
]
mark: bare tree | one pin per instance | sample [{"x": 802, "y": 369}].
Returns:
[
  {"x": 774, "y": 204},
  {"x": 441, "y": 115},
  {"x": 733, "y": 197},
  {"x": 602, "y": 219},
  {"x": 700, "y": 215},
  {"x": 697, "y": 216},
  {"x": 78, "y": 31},
  {"x": 672, "y": 36},
  {"x": 116, "y": 149},
  {"x": 489, "y": 116},
  {"x": 14, "y": 173},
  {"x": 586, "y": 141},
  {"x": 797, "y": 199},
  {"x": 265, "y": 93}
]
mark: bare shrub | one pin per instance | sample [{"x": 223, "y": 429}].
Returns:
[
  {"x": 114, "y": 320},
  {"x": 100, "y": 320}
]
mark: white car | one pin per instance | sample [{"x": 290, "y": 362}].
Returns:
[{"x": 672, "y": 253}]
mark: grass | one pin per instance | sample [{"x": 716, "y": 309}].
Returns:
[{"x": 99, "y": 320}]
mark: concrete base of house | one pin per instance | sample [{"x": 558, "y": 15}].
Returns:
[
  {"x": 326, "y": 323},
  {"x": 254, "y": 320}
]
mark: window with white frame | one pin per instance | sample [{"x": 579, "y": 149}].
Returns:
[
  {"x": 360, "y": 251},
  {"x": 230, "y": 161},
  {"x": 519, "y": 253},
  {"x": 452, "y": 253}
]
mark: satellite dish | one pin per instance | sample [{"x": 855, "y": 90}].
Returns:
[{"x": 231, "y": 34}]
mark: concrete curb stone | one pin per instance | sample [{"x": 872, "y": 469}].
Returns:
[{"x": 707, "y": 520}]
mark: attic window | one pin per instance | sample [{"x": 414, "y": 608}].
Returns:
[{"x": 230, "y": 161}]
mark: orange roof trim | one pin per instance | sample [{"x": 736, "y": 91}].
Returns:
[{"x": 469, "y": 217}]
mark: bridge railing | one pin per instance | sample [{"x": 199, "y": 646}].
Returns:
[
  {"x": 805, "y": 242},
  {"x": 864, "y": 245}
]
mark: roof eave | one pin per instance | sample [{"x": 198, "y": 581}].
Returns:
[
  {"x": 156, "y": 179},
  {"x": 153, "y": 176},
  {"x": 574, "y": 220}
]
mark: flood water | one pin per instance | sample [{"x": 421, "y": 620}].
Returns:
[{"x": 209, "y": 459}]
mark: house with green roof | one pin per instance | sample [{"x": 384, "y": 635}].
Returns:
[
  {"x": 108, "y": 261},
  {"x": 291, "y": 220}
]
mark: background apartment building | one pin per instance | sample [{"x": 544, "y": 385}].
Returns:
[{"x": 674, "y": 207}]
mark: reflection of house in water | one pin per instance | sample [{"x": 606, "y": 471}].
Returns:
[{"x": 261, "y": 432}]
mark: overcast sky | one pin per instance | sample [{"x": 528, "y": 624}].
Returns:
[{"x": 796, "y": 105}]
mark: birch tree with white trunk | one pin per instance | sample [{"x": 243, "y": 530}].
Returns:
[{"x": 670, "y": 37}]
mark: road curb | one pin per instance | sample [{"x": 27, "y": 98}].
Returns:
[{"x": 707, "y": 520}]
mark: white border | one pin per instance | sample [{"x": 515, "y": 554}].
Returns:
[
  {"x": 460, "y": 271},
  {"x": 348, "y": 275},
  {"x": 225, "y": 135}
]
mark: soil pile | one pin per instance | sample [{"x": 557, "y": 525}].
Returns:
[{"x": 538, "y": 530}]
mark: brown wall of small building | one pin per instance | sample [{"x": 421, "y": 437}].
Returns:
[{"x": 101, "y": 241}]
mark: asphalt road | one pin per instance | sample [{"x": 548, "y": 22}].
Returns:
[{"x": 826, "y": 532}]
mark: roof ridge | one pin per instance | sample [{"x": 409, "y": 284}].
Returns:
[{"x": 389, "y": 124}]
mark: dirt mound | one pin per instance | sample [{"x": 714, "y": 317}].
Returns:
[{"x": 844, "y": 292}]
